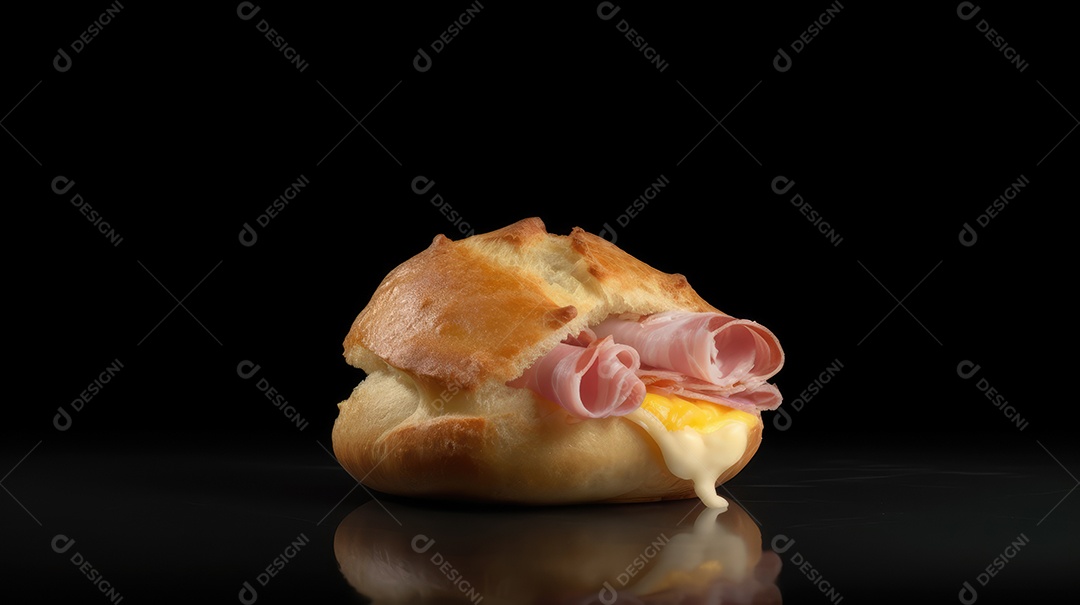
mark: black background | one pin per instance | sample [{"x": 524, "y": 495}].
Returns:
[{"x": 180, "y": 124}]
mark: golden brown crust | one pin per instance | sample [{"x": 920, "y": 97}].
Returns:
[
  {"x": 418, "y": 320},
  {"x": 445, "y": 331},
  {"x": 481, "y": 309}
]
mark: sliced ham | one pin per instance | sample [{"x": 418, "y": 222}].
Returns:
[
  {"x": 714, "y": 348},
  {"x": 596, "y": 380},
  {"x": 763, "y": 396},
  {"x": 605, "y": 370}
]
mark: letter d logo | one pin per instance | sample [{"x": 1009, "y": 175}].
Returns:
[
  {"x": 61, "y": 543},
  {"x": 966, "y": 11},
  {"x": 247, "y": 236},
  {"x": 422, "y": 184},
  {"x": 607, "y": 10},
  {"x": 967, "y": 236},
  {"x": 782, "y": 62},
  {"x": 247, "y": 11},
  {"x": 967, "y": 368},
  {"x": 782, "y": 425},
  {"x": 606, "y": 229},
  {"x": 422, "y": 62},
  {"x": 62, "y": 62},
  {"x": 607, "y": 594},
  {"x": 781, "y": 544},
  {"x": 418, "y": 538},
  {"x": 248, "y": 594},
  {"x": 967, "y": 594},
  {"x": 62, "y": 420},
  {"x": 786, "y": 185},
  {"x": 62, "y": 184},
  {"x": 246, "y": 369}
]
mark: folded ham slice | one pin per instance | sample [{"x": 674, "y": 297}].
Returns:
[
  {"x": 590, "y": 378},
  {"x": 717, "y": 349},
  {"x": 606, "y": 370}
]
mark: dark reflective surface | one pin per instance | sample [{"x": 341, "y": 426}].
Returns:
[
  {"x": 808, "y": 525},
  {"x": 673, "y": 552}
]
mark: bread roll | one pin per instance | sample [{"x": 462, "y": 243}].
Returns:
[{"x": 447, "y": 329}]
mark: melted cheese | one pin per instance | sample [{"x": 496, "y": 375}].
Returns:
[{"x": 699, "y": 440}]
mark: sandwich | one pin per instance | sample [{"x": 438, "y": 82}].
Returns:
[
  {"x": 648, "y": 553},
  {"x": 527, "y": 367}
]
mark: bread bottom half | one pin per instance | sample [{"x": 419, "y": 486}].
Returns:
[{"x": 498, "y": 444}]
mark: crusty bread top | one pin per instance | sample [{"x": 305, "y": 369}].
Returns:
[{"x": 482, "y": 309}]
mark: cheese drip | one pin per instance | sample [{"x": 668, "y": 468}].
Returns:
[
  {"x": 694, "y": 559},
  {"x": 699, "y": 440}
]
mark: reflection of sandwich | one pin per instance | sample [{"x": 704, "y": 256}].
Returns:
[
  {"x": 527, "y": 367},
  {"x": 596, "y": 554}
]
